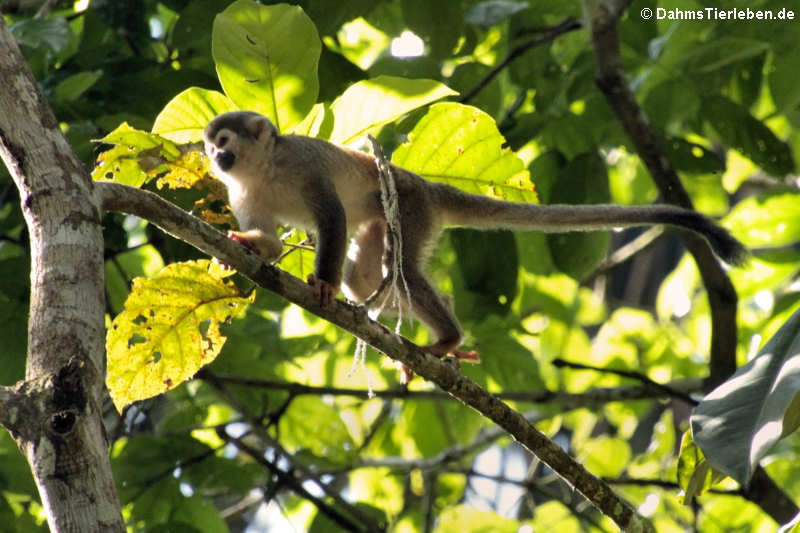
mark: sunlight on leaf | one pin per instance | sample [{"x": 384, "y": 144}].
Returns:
[
  {"x": 371, "y": 103},
  {"x": 183, "y": 119},
  {"x": 169, "y": 329},
  {"x": 754, "y": 408},
  {"x": 136, "y": 157},
  {"x": 461, "y": 146},
  {"x": 266, "y": 59}
]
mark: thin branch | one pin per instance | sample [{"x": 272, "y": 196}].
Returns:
[
  {"x": 591, "y": 398},
  {"x": 299, "y": 469},
  {"x": 664, "y": 389},
  {"x": 288, "y": 480},
  {"x": 628, "y": 250},
  {"x": 355, "y": 320},
  {"x": 545, "y": 36}
]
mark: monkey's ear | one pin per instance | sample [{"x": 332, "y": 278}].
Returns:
[{"x": 260, "y": 125}]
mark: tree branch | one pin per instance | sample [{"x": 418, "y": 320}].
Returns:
[
  {"x": 354, "y": 319},
  {"x": 722, "y": 298},
  {"x": 610, "y": 78}
]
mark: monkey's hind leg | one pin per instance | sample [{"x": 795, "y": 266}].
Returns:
[
  {"x": 431, "y": 310},
  {"x": 363, "y": 276}
]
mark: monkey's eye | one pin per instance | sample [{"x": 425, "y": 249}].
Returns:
[{"x": 222, "y": 141}]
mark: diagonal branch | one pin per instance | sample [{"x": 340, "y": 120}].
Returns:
[
  {"x": 545, "y": 36},
  {"x": 445, "y": 374}
]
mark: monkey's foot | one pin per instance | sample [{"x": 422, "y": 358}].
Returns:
[
  {"x": 406, "y": 374},
  {"x": 468, "y": 357},
  {"x": 323, "y": 291}
]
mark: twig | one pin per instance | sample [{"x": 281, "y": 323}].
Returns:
[
  {"x": 628, "y": 250},
  {"x": 546, "y": 35},
  {"x": 288, "y": 480},
  {"x": 666, "y": 389}
]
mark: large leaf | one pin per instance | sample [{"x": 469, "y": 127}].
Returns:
[
  {"x": 139, "y": 156},
  {"x": 461, "y": 146},
  {"x": 738, "y": 129},
  {"x": 754, "y": 408},
  {"x": 169, "y": 329},
  {"x": 765, "y": 221},
  {"x": 266, "y": 59},
  {"x": 584, "y": 180},
  {"x": 371, "y": 103},
  {"x": 183, "y": 119}
]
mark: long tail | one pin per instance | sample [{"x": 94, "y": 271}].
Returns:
[{"x": 458, "y": 208}]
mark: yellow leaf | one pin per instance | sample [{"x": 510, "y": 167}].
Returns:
[{"x": 169, "y": 329}]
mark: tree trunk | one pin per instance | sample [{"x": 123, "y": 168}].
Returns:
[{"x": 55, "y": 414}]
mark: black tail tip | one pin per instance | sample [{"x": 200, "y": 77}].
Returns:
[{"x": 728, "y": 248}]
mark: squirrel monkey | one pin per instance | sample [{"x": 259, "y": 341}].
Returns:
[{"x": 334, "y": 191}]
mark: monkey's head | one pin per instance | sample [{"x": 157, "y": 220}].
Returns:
[{"x": 238, "y": 141}]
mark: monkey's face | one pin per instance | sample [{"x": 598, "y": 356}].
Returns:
[
  {"x": 221, "y": 150},
  {"x": 237, "y": 143}
]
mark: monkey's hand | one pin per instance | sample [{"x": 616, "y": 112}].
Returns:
[
  {"x": 324, "y": 291},
  {"x": 234, "y": 236},
  {"x": 244, "y": 241}
]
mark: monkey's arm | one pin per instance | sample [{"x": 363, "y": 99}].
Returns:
[{"x": 329, "y": 215}]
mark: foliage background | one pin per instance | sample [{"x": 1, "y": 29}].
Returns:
[{"x": 720, "y": 93}]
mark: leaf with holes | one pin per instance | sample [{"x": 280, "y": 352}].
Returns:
[{"x": 169, "y": 329}]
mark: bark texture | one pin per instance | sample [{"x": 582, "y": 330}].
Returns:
[{"x": 55, "y": 414}]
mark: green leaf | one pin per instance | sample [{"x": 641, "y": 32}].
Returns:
[
  {"x": 467, "y": 518},
  {"x": 266, "y": 59},
  {"x": 72, "y": 87},
  {"x": 488, "y": 264},
  {"x": 371, "y": 103},
  {"x": 670, "y": 104},
  {"x": 461, "y": 146},
  {"x": 606, "y": 456},
  {"x": 136, "y": 155},
  {"x": 693, "y": 158},
  {"x": 583, "y": 180},
  {"x": 695, "y": 474},
  {"x": 783, "y": 84},
  {"x": 486, "y": 14},
  {"x": 51, "y": 33},
  {"x": 738, "y": 129},
  {"x": 183, "y": 119},
  {"x": 318, "y": 123},
  {"x": 169, "y": 329},
  {"x": 440, "y": 24},
  {"x": 298, "y": 258},
  {"x": 754, "y": 408},
  {"x": 767, "y": 220},
  {"x": 313, "y": 425}
]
